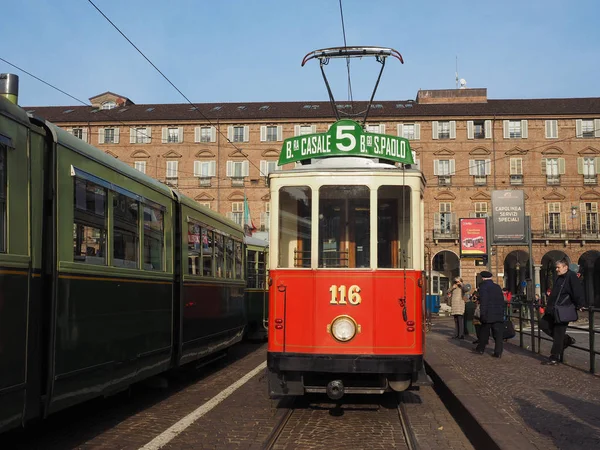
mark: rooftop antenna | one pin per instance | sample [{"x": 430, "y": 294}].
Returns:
[{"x": 456, "y": 73}]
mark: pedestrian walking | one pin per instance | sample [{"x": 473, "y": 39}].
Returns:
[
  {"x": 458, "y": 307},
  {"x": 565, "y": 298},
  {"x": 491, "y": 314}
]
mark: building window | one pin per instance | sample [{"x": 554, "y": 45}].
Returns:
[
  {"x": 238, "y": 134},
  {"x": 154, "y": 220},
  {"x": 589, "y": 218},
  {"x": 479, "y": 129},
  {"x": 3, "y": 177},
  {"x": 271, "y": 133},
  {"x": 265, "y": 217},
  {"x": 481, "y": 209},
  {"x": 588, "y": 167},
  {"x": 411, "y": 131},
  {"x": 140, "y": 135},
  {"x": 140, "y": 165},
  {"x": 237, "y": 170},
  {"x": 300, "y": 130},
  {"x": 444, "y": 221},
  {"x": 89, "y": 222},
  {"x": 80, "y": 133},
  {"x": 108, "y": 105},
  {"x": 205, "y": 134},
  {"x": 553, "y": 168},
  {"x": 267, "y": 167},
  {"x": 108, "y": 136},
  {"x": 172, "y": 135},
  {"x": 480, "y": 169},
  {"x": 516, "y": 171},
  {"x": 444, "y": 169},
  {"x": 587, "y": 128},
  {"x": 515, "y": 129},
  {"x": 204, "y": 170},
  {"x": 551, "y": 129},
  {"x": 553, "y": 222},
  {"x": 237, "y": 212},
  {"x": 172, "y": 172},
  {"x": 205, "y": 204},
  {"x": 444, "y": 129},
  {"x": 125, "y": 231},
  {"x": 379, "y": 129}
]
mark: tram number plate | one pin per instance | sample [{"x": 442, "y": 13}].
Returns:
[{"x": 342, "y": 295}]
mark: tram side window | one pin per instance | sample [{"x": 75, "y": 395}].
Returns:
[
  {"x": 219, "y": 254},
  {"x": 229, "y": 257},
  {"x": 194, "y": 246},
  {"x": 239, "y": 273},
  {"x": 294, "y": 226},
  {"x": 394, "y": 234},
  {"x": 344, "y": 226},
  {"x": 3, "y": 198},
  {"x": 251, "y": 269},
  {"x": 207, "y": 252},
  {"x": 125, "y": 231},
  {"x": 89, "y": 227},
  {"x": 154, "y": 220}
]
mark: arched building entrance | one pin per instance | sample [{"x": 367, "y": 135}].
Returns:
[
  {"x": 516, "y": 271},
  {"x": 447, "y": 263},
  {"x": 589, "y": 264}
]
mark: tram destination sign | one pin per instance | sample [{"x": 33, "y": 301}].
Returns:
[
  {"x": 346, "y": 138},
  {"x": 508, "y": 217}
]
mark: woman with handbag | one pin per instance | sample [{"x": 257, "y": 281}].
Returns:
[
  {"x": 566, "y": 297},
  {"x": 458, "y": 307}
]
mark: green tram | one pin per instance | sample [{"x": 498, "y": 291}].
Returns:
[
  {"x": 107, "y": 276},
  {"x": 257, "y": 290}
]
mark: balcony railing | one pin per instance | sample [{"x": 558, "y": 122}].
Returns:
[
  {"x": 584, "y": 233},
  {"x": 450, "y": 232},
  {"x": 237, "y": 181},
  {"x": 590, "y": 179}
]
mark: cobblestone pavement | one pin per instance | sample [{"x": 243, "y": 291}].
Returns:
[{"x": 518, "y": 402}]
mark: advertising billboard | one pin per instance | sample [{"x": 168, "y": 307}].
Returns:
[
  {"x": 508, "y": 217},
  {"x": 473, "y": 237}
]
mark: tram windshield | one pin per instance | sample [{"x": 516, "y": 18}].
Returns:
[{"x": 345, "y": 238}]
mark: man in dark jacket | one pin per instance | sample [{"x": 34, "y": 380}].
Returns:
[
  {"x": 491, "y": 307},
  {"x": 566, "y": 283}
]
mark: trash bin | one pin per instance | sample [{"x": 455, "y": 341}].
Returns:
[{"x": 432, "y": 303}]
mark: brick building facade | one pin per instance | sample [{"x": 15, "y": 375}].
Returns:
[{"x": 466, "y": 145}]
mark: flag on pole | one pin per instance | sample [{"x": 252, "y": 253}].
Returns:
[{"x": 249, "y": 227}]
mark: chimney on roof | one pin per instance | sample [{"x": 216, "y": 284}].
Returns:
[{"x": 464, "y": 95}]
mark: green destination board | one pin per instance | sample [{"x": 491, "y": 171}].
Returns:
[{"x": 346, "y": 138}]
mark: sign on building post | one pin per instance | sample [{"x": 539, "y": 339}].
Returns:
[
  {"x": 508, "y": 218},
  {"x": 473, "y": 237}
]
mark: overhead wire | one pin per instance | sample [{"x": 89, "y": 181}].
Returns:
[{"x": 350, "y": 96}]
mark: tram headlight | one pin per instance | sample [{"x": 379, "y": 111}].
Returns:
[{"x": 343, "y": 328}]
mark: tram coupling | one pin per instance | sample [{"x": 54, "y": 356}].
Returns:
[{"x": 335, "y": 389}]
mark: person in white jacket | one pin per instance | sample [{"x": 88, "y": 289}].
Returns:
[{"x": 457, "y": 304}]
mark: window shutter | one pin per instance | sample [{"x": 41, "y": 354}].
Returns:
[
  {"x": 263, "y": 133},
  {"x": 513, "y": 166},
  {"x": 471, "y": 167},
  {"x": 245, "y": 168},
  {"x": 582, "y": 215},
  {"x": 488, "y": 129},
  {"x": 453, "y": 129},
  {"x": 196, "y": 134},
  {"x": 452, "y": 171},
  {"x": 230, "y": 133},
  {"x": 544, "y": 167},
  {"x": 578, "y": 132},
  {"x": 100, "y": 135},
  {"x": 452, "y": 221},
  {"x": 246, "y": 133},
  {"x": 524, "y": 133},
  {"x": 436, "y": 163},
  {"x": 84, "y": 134},
  {"x": 580, "y": 166},
  {"x": 165, "y": 135},
  {"x": 296, "y": 130},
  {"x": 279, "y": 133},
  {"x": 313, "y": 129},
  {"x": 548, "y": 129},
  {"x": 229, "y": 168},
  {"x": 180, "y": 137},
  {"x": 434, "y": 130},
  {"x": 505, "y": 129},
  {"x": 263, "y": 168},
  {"x": 197, "y": 168},
  {"x": 561, "y": 166},
  {"x": 213, "y": 134},
  {"x": 417, "y": 131},
  {"x": 488, "y": 166},
  {"x": 400, "y": 130},
  {"x": 470, "y": 130},
  {"x": 597, "y": 128},
  {"x": 132, "y": 132},
  {"x": 212, "y": 168},
  {"x": 436, "y": 221},
  {"x": 597, "y": 165},
  {"x": 117, "y": 133},
  {"x": 148, "y": 135},
  {"x": 382, "y": 128}
]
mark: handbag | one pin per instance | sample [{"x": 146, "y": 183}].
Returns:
[
  {"x": 477, "y": 313},
  {"x": 508, "y": 331},
  {"x": 564, "y": 309}
]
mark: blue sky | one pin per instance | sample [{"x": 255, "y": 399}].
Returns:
[{"x": 251, "y": 50}]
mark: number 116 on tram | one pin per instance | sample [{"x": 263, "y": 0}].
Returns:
[{"x": 346, "y": 295}]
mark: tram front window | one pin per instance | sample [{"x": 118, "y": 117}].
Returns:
[
  {"x": 344, "y": 231},
  {"x": 394, "y": 239},
  {"x": 294, "y": 226}
]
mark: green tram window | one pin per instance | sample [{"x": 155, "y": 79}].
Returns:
[
  {"x": 207, "y": 252},
  {"x": 394, "y": 241},
  {"x": 229, "y": 257},
  {"x": 154, "y": 225},
  {"x": 294, "y": 226},
  {"x": 219, "y": 254},
  {"x": 89, "y": 227},
  {"x": 2, "y": 198},
  {"x": 344, "y": 226},
  {"x": 239, "y": 273},
  {"x": 194, "y": 232},
  {"x": 125, "y": 231}
]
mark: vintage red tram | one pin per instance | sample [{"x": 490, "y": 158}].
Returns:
[{"x": 346, "y": 299}]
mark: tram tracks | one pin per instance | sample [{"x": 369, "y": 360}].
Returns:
[{"x": 372, "y": 424}]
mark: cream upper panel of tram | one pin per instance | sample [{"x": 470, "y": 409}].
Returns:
[{"x": 311, "y": 252}]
